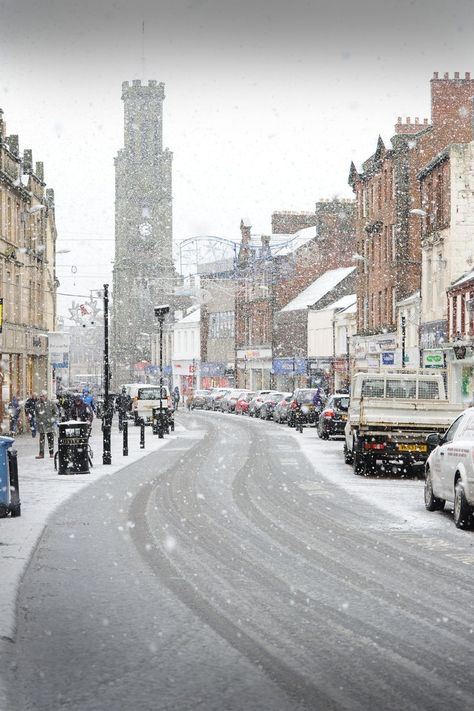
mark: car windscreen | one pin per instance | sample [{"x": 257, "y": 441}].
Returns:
[
  {"x": 341, "y": 403},
  {"x": 151, "y": 393},
  {"x": 305, "y": 396}
]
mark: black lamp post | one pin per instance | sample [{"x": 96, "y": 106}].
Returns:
[
  {"x": 404, "y": 330},
  {"x": 107, "y": 418},
  {"x": 161, "y": 313}
]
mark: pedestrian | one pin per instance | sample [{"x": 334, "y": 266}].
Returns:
[
  {"x": 46, "y": 418},
  {"x": 190, "y": 399},
  {"x": 30, "y": 412},
  {"x": 176, "y": 397},
  {"x": 89, "y": 400},
  {"x": 123, "y": 404},
  {"x": 65, "y": 402},
  {"x": 81, "y": 411},
  {"x": 14, "y": 409}
]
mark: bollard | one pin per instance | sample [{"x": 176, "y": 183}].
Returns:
[
  {"x": 142, "y": 434},
  {"x": 125, "y": 438},
  {"x": 15, "y": 504}
]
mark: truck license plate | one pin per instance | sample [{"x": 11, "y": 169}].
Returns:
[{"x": 412, "y": 448}]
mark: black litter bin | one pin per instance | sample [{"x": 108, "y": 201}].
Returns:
[
  {"x": 72, "y": 456},
  {"x": 160, "y": 421}
]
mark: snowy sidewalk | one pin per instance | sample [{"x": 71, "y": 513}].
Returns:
[{"x": 41, "y": 491}]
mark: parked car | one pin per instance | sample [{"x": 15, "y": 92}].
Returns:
[
  {"x": 449, "y": 470},
  {"x": 217, "y": 399},
  {"x": 230, "y": 400},
  {"x": 209, "y": 399},
  {"x": 242, "y": 404},
  {"x": 199, "y": 399},
  {"x": 333, "y": 417},
  {"x": 256, "y": 402},
  {"x": 303, "y": 398},
  {"x": 280, "y": 413},
  {"x": 268, "y": 405}
]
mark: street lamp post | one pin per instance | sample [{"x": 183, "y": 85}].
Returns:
[
  {"x": 160, "y": 313},
  {"x": 404, "y": 328},
  {"x": 107, "y": 419}
]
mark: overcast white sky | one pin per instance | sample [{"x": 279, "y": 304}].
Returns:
[{"x": 267, "y": 102}]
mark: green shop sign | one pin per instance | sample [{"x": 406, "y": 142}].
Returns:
[{"x": 433, "y": 359}]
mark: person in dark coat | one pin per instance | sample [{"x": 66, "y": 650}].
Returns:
[
  {"x": 14, "y": 409},
  {"x": 176, "y": 397},
  {"x": 123, "y": 404},
  {"x": 81, "y": 411},
  {"x": 30, "y": 412},
  {"x": 46, "y": 417}
]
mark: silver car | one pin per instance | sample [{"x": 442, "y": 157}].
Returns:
[{"x": 449, "y": 472}]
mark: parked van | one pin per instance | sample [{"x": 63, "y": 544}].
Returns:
[{"x": 145, "y": 398}]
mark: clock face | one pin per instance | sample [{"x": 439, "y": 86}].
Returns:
[{"x": 145, "y": 229}]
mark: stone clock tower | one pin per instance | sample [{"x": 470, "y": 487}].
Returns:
[{"x": 143, "y": 275}]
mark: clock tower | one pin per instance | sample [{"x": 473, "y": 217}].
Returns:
[{"x": 143, "y": 274}]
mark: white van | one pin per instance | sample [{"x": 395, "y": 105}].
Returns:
[{"x": 145, "y": 398}]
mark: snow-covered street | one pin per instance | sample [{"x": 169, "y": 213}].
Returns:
[{"x": 245, "y": 566}]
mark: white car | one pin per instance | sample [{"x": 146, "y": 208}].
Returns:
[{"x": 449, "y": 472}]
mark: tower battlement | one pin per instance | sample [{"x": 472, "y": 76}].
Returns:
[{"x": 136, "y": 88}]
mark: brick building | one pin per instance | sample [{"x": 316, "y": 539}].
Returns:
[
  {"x": 388, "y": 233},
  {"x": 272, "y": 270}
]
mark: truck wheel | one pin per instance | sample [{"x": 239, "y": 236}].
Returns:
[
  {"x": 432, "y": 503},
  {"x": 360, "y": 465},
  {"x": 462, "y": 510},
  {"x": 348, "y": 458}
]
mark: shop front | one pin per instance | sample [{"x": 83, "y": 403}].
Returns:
[
  {"x": 460, "y": 372},
  {"x": 289, "y": 373},
  {"x": 254, "y": 368}
]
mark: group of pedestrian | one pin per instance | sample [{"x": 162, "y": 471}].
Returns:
[{"x": 43, "y": 414}]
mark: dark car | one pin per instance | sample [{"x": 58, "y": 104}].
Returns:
[
  {"x": 333, "y": 417},
  {"x": 303, "y": 398},
  {"x": 269, "y": 403},
  {"x": 199, "y": 400},
  {"x": 280, "y": 413}
]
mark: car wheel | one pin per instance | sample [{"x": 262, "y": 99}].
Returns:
[
  {"x": 462, "y": 510},
  {"x": 432, "y": 503},
  {"x": 322, "y": 434}
]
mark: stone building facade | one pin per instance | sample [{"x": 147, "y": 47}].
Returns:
[
  {"x": 272, "y": 271},
  {"x": 27, "y": 272},
  {"x": 143, "y": 275}
]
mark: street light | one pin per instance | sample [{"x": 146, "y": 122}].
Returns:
[
  {"x": 161, "y": 313},
  {"x": 403, "y": 340}
]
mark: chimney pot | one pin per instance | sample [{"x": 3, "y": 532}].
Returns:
[
  {"x": 399, "y": 120},
  {"x": 435, "y": 75},
  {"x": 417, "y": 120},
  {"x": 408, "y": 119},
  {"x": 446, "y": 75},
  {"x": 456, "y": 75},
  {"x": 467, "y": 75},
  {"x": 136, "y": 82}
]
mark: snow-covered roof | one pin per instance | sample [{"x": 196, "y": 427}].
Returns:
[
  {"x": 193, "y": 317},
  {"x": 343, "y": 304},
  {"x": 319, "y": 288},
  {"x": 286, "y": 244},
  {"x": 462, "y": 280}
]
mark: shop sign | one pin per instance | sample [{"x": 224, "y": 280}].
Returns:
[
  {"x": 212, "y": 369},
  {"x": 289, "y": 366},
  {"x": 58, "y": 346},
  {"x": 257, "y": 354},
  {"x": 388, "y": 358},
  {"x": 433, "y": 359}
]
